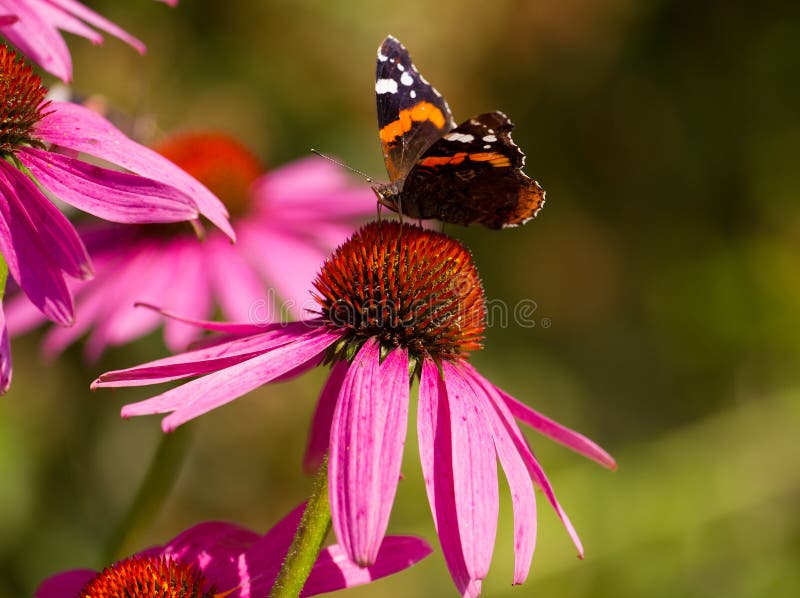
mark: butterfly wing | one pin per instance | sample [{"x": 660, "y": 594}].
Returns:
[
  {"x": 473, "y": 174},
  {"x": 412, "y": 115}
]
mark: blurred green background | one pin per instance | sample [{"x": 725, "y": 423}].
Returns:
[{"x": 666, "y": 263}]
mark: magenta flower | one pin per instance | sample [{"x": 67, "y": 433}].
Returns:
[
  {"x": 286, "y": 222},
  {"x": 34, "y": 27},
  {"x": 394, "y": 301},
  {"x": 216, "y": 559},
  {"x": 39, "y": 245}
]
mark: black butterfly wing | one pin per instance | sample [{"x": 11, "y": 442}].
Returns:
[
  {"x": 412, "y": 115},
  {"x": 473, "y": 174}
]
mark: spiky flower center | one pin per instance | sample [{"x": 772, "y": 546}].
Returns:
[
  {"x": 148, "y": 577},
  {"x": 406, "y": 286},
  {"x": 218, "y": 161},
  {"x": 21, "y": 102}
]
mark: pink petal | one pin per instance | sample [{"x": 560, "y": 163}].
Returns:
[
  {"x": 436, "y": 457},
  {"x": 21, "y": 315},
  {"x": 200, "y": 396},
  {"x": 189, "y": 295},
  {"x": 64, "y": 585},
  {"x": 236, "y": 284},
  {"x": 203, "y": 361},
  {"x": 63, "y": 21},
  {"x": 319, "y": 437},
  {"x": 108, "y": 194},
  {"x": 291, "y": 268},
  {"x": 5, "y": 354},
  {"x": 253, "y": 573},
  {"x": 79, "y": 10},
  {"x": 211, "y": 544},
  {"x": 29, "y": 260},
  {"x": 37, "y": 39},
  {"x": 368, "y": 433},
  {"x": 555, "y": 431},
  {"x": 81, "y": 129},
  {"x": 65, "y": 246},
  {"x": 536, "y": 471},
  {"x": 474, "y": 473},
  {"x": 335, "y": 571},
  {"x": 300, "y": 181},
  {"x": 225, "y": 327},
  {"x": 523, "y": 497},
  {"x": 6, "y": 20},
  {"x": 146, "y": 276}
]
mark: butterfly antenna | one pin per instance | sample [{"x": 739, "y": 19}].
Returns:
[{"x": 369, "y": 179}]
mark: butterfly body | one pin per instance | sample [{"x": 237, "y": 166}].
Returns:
[{"x": 465, "y": 174}]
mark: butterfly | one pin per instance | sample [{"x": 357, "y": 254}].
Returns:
[{"x": 465, "y": 174}]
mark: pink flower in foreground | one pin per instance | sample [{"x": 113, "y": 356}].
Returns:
[
  {"x": 286, "y": 222},
  {"x": 396, "y": 301},
  {"x": 34, "y": 27},
  {"x": 37, "y": 242},
  {"x": 216, "y": 559}
]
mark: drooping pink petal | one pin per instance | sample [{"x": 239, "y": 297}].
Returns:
[
  {"x": 536, "y": 471},
  {"x": 29, "y": 261},
  {"x": 81, "y": 129},
  {"x": 368, "y": 434},
  {"x": 436, "y": 457},
  {"x": 189, "y": 295},
  {"x": 79, "y": 10},
  {"x": 5, "y": 353},
  {"x": 147, "y": 276},
  {"x": 319, "y": 437},
  {"x": 64, "y": 585},
  {"x": 37, "y": 39},
  {"x": 65, "y": 22},
  {"x": 206, "y": 360},
  {"x": 334, "y": 570},
  {"x": 474, "y": 473},
  {"x": 290, "y": 266},
  {"x": 21, "y": 315},
  {"x": 240, "y": 292},
  {"x": 523, "y": 497},
  {"x": 64, "y": 245},
  {"x": 200, "y": 396},
  {"x": 108, "y": 194},
  {"x": 555, "y": 431}
]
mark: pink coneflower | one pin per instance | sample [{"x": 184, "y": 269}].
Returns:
[
  {"x": 39, "y": 245},
  {"x": 394, "y": 301},
  {"x": 222, "y": 560},
  {"x": 34, "y": 27},
  {"x": 286, "y": 222}
]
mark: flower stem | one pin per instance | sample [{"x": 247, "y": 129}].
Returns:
[
  {"x": 158, "y": 482},
  {"x": 308, "y": 540}
]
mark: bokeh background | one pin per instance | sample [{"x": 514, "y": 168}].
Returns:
[{"x": 665, "y": 270}]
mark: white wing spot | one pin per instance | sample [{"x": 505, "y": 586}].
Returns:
[
  {"x": 489, "y": 138},
  {"x": 487, "y": 146},
  {"x": 412, "y": 93},
  {"x": 385, "y": 86},
  {"x": 400, "y": 67},
  {"x": 382, "y": 57},
  {"x": 462, "y": 137},
  {"x": 406, "y": 79}
]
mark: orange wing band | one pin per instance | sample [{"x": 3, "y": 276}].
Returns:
[{"x": 423, "y": 111}]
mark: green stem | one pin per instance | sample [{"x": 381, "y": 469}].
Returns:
[
  {"x": 154, "y": 489},
  {"x": 307, "y": 543}
]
